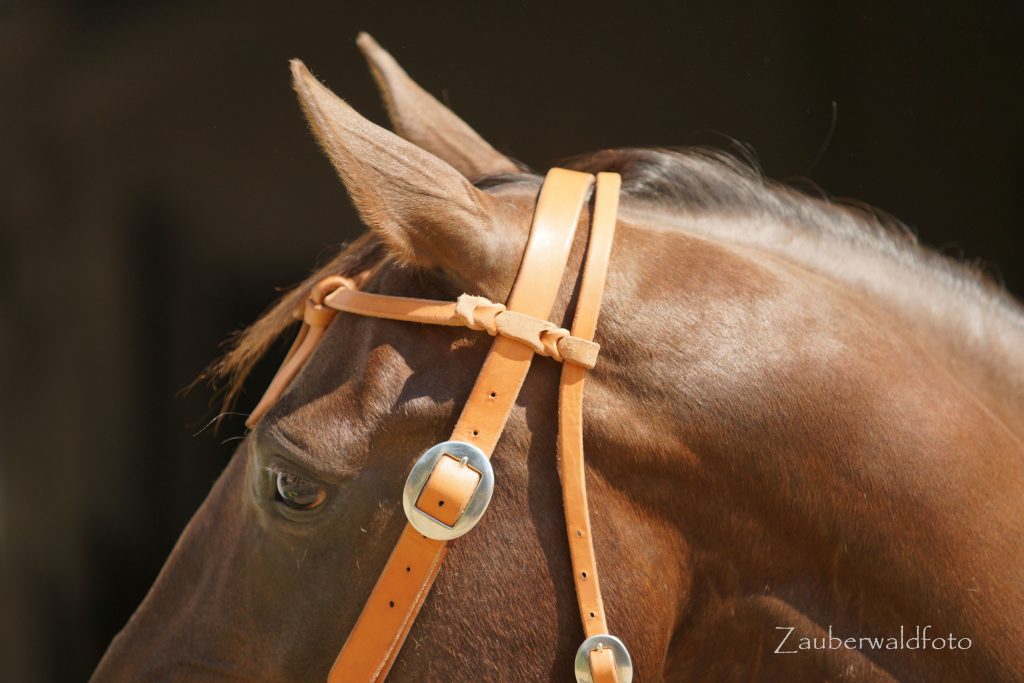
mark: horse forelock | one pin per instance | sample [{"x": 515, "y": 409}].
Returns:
[{"x": 246, "y": 347}]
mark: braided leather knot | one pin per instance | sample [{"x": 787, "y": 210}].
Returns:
[
  {"x": 543, "y": 336},
  {"x": 478, "y": 313},
  {"x": 549, "y": 339},
  {"x": 327, "y": 286},
  {"x": 540, "y": 335}
]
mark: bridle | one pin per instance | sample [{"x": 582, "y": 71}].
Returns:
[{"x": 450, "y": 485}]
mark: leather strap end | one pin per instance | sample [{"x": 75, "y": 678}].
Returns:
[{"x": 579, "y": 351}]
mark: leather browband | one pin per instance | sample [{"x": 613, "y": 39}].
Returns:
[{"x": 521, "y": 329}]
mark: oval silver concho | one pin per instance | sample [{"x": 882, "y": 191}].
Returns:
[
  {"x": 623, "y": 662},
  {"x": 470, "y": 456}
]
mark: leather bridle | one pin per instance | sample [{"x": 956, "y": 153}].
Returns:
[{"x": 450, "y": 486}]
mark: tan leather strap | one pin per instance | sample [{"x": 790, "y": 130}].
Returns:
[
  {"x": 474, "y": 312},
  {"x": 396, "y": 599},
  {"x": 570, "y": 426}
]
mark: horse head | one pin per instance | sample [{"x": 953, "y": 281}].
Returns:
[{"x": 780, "y": 433}]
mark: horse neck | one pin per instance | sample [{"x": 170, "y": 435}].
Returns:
[
  {"x": 972, "y": 328},
  {"x": 785, "y": 417}
]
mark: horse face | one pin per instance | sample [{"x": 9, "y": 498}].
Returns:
[
  {"x": 273, "y": 568},
  {"x": 271, "y": 572}
]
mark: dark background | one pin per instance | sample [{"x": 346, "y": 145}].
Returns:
[{"x": 158, "y": 182}]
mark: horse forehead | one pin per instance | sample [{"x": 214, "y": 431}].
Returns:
[
  {"x": 340, "y": 397},
  {"x": 366, "y": 374}
]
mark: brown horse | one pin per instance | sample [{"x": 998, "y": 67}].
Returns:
[{"x": 804, "y": 429}]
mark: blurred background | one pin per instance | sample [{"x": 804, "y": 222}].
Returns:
[{"x": 158, "y": 183}]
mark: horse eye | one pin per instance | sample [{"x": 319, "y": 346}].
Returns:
[{"x": 299, "y": 493}]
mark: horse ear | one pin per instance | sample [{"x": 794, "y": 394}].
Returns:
[
  {"x": 418, "y": 117},
  {"x": 426, "y": 212}
]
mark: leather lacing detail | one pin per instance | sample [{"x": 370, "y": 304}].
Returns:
[
  {"x": 475, "y": 312},
  {"x": 478, "y": 313},
  {"x": 544, "y": 337}
]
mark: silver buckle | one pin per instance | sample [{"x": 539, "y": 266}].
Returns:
[
  {"x": 469, "y": 456},
  {"x": 623, "y": 662}
]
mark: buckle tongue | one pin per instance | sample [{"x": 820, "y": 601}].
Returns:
[
  {"x": 623, "y": 662},
  {"x": 448, "y": 490}
]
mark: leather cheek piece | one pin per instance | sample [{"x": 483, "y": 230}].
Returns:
[{"x": 570, "y": 423}]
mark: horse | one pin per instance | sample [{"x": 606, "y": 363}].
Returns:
[{"x": 804, "y": 429}]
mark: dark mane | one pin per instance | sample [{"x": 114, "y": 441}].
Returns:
[{"x": 708, "y": 181}]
